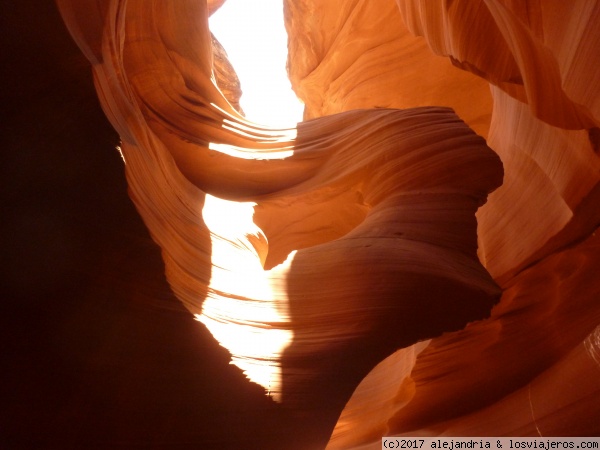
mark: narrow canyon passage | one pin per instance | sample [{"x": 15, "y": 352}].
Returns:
[{"x": 407, "y": 300}]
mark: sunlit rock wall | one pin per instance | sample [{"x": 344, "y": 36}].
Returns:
[
  {"x": 340, "y": 59},
  {"x": 225, "y": 75},
  {"x": 353, "y": 237},
  {"x": 537, "y": 233}
]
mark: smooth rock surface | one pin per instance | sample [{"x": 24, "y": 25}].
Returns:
[
  {"x": 341, "y": 264},
  {"x": 310, "y": 329}
]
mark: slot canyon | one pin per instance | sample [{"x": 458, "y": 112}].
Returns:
[{"x": 418, "y": 257}]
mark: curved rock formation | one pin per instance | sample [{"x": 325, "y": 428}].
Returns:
[
  {"x": 341, "y": 59},
  {"x": 537, "y": 232},
  {"x": 225, "y": 76},
  {"x": 310, "y": 328},
  {"x": 337, "y": 262}
]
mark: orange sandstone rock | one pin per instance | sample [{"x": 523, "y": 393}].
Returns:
[
  {"x": 402, "y": 269},
  {"x": 340, "y": 58},
  {"x": 325, "y": 257},
  {"x": 539, "y": 59}
]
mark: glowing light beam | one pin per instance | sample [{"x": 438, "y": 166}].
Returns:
[{"x": 255, "y": 39}]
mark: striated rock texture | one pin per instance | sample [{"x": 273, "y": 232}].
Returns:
[
  {"x": 514, "y": 373},
  {"x": 340, "y": 263},
  {"x": 405, "y": 185},
  {"x": 225, "y": 76},
  {"x": 359, "y": 54}
]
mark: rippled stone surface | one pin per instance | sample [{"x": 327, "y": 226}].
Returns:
[{"x": 338, "y": 263}]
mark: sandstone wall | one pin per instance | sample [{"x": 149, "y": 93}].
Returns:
[
  {"x": 339, "y": 263},
  {"x": 536, "y": 233}
]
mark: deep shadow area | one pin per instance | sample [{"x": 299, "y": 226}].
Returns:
[{"x": 97, "y": 351}]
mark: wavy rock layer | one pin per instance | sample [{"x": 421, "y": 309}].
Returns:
[
  {"x": 398, "y": 264},
  {"x": 537, "y": 232},
  {"x": 313, "y": 254},
  {"x": 358, "y": 54},
  {"x": 545, "y": 89}
]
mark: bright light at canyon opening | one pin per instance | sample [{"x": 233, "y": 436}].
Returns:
[
  {"x": 254, "y": 37},
  {"x": 253, "y": 34}
]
